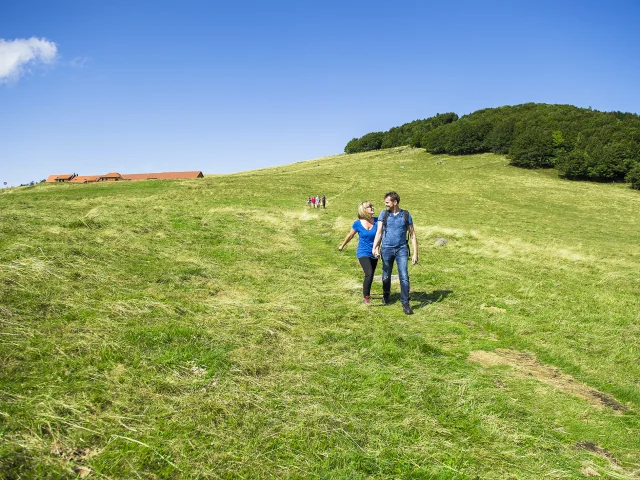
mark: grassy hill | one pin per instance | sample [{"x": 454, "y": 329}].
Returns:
[{"x": 211, "y": 329}]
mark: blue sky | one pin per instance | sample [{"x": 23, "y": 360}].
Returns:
[{"x": 146, "y": 86}]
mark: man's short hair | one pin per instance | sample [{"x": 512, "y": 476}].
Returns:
[{"x": 393, "y": 196}]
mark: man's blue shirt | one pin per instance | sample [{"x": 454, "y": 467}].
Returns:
[{"x": 395, "y": 233}]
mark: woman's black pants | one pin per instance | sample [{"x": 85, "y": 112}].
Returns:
[{"x": 368, "y": 264}]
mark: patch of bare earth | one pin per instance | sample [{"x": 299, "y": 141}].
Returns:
[
  {"x": 527, "y": 364},
  {"x": 592, "y": 447},
  {"x": 614, "y": 470},
  {"x": 76, "y": 457}
]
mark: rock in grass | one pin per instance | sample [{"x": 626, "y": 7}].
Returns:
[
  {"x": 492, "y": 309},
  {"x": 441, "y": 242}
]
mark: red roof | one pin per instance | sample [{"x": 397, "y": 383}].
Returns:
[
  {"x": 84, "y": 179},
  {"x": 60, "y": 176},
  {"x": 162, "y": 175},
  {"x": 111, "y": 175}
]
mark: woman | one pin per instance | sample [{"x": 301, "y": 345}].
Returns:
[{"x": 365, "y": 227}]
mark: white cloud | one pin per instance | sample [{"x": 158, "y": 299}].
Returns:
[
  {"x": 16, "y": 54},
  {"x": 79, "y": 62}
]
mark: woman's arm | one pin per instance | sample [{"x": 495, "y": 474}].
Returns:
[
  {"x": 347, "y": 239},
  {"x": 376, "y": 242}
]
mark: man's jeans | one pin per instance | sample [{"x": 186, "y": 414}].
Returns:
[{"x": 401, "y": 257}]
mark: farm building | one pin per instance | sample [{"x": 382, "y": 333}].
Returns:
[
  {"x": 162, "y": 175},
  {"x": 63, "y": 177},
  {"x": 84, "y": 179},
  {"x": 115, "y": 177}
]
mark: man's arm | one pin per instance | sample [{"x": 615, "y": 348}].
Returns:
[
  {"x": 376, "y": 241},
  {"x": 414, "y": 244}
]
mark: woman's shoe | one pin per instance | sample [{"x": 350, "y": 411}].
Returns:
[{"x": 366, "y": 300}]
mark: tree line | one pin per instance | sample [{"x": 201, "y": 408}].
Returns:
[{"x": 583, "y": 144}]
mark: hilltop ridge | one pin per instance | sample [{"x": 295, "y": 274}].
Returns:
[{"x": 582, "y": 144}]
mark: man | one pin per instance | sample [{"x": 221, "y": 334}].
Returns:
[{"x": 395, "y": 223}]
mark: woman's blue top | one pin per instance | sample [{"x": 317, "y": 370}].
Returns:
[{"x": 365, "y": 238}]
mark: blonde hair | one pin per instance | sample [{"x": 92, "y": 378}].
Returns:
[{"x": 362, "y": 211}]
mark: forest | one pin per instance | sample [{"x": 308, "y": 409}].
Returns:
[{"x": 581, "y": 143}]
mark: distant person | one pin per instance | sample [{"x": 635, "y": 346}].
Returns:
[
  {"x": 395, "y": 229},
  {"x": 324, "y": 201},
  {"x": 313, "y": 202},
  {"x": 318, "y": 201},
  {"x": 365, "y": 226},
  {"x": 309, "y": 201}
]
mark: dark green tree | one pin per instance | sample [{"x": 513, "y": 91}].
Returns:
[
  {"x": 533, "y": 149},
  {"x": 633, "y": 177}
]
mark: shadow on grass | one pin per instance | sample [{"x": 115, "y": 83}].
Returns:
[{"x": 423, "y": 298}]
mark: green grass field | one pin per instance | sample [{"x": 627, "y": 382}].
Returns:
[{"x": 211, "y": 329}]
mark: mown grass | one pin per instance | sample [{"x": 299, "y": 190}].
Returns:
[{"x": 210, "y": 328}]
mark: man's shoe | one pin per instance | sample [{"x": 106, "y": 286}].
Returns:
[
  {"x": 406, "y": 308},
  {"x": 385, "y": 299},
  {"x": 366, "y": 300}
]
